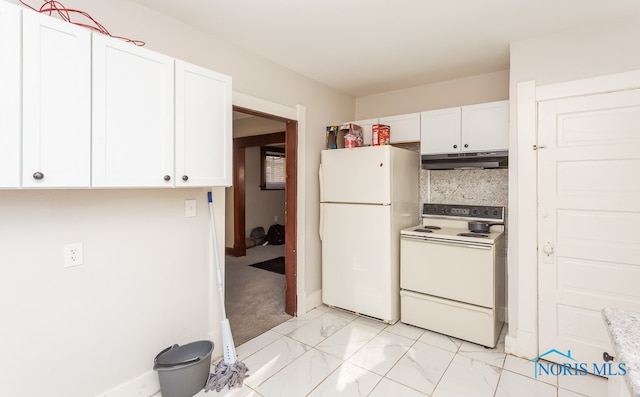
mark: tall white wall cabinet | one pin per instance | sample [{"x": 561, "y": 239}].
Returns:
[
  {"x": 10, "y": 95},
  {"x": 103, "y": 113},
  {"x": 56, "y": 103},
  {"x": 203, "y": 106},
  {"x": 132, "y": 115}
]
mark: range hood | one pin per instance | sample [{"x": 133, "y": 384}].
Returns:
[{"x": 452, "y": 161}]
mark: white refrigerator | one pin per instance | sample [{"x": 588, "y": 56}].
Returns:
[{"x": 367, "y": 195}]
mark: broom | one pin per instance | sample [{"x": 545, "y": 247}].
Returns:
[{"x": 228, "y": 372}]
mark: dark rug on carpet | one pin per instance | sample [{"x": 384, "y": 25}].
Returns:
[{"x": 275, "y": 265}]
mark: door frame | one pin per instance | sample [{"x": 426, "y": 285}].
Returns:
[
  {"x": 290, "y": 138},
  {"x": 522, "y": 339}
]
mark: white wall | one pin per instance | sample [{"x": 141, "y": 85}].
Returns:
[
  {"x": 570, "y": 55},
  {"x": 459, "y": 92},
  {"x": 143, "y": 286},
  {"x": 116, "y": 330}
]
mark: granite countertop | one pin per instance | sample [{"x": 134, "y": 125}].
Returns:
[{"x": 624, "y": 331}]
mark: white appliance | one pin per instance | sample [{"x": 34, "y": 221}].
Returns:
[
  {"x": 367, "y": 195},
  {"x": 453, "y": 280}
]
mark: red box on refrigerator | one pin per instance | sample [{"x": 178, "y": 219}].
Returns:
[{"x": 380, "y": 134}]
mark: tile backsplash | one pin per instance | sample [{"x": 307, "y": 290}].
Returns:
[
  {"x": 476, "y": 187},
  {"x": 469, "y": 186}
]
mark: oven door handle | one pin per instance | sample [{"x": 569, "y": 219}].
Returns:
[{"x": 448, "y": 242}]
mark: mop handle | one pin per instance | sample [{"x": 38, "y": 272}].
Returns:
[{"x": 215, "y": 254}]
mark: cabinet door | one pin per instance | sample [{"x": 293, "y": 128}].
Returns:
[
  {"x": 404, "y": 128},
  {"x": 203, "y": 136},
  {"x": 485, "y": 127},
  {"x": 440, "y": 131},
  {"x": 10, "y": 95},
  {"x": 56, "y": 103},
  {"x": 132, "y": 115},
  {"x": 366, "y": 129}
]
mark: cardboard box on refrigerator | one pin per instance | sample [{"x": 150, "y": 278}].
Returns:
[{"x": 345, "y": 135}]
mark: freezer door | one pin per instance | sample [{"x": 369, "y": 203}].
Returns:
[
  {"x": 358, "y": 175},
  {"x": 360, "y": 267}
]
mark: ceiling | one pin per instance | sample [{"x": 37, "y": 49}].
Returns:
[{"x": 364, "y": 47}]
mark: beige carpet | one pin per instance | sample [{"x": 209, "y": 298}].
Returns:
[{"x": 254, "y": 297}]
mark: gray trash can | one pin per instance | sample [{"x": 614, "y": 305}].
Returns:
[{"x": 184, "y": 370}]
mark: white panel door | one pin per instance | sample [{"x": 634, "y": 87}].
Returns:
[
  {"x": 440, "y": 131},
  {"x": 56, "y": 110},
  {"x": 203, "y": 127},
  {"x": 133, "y": 114},
  {"x": 10, "y": 95},
  {"x": 357, "y": 175},
  {"x": 358, "y": 271},
  {"x": 589, "y": 212}
]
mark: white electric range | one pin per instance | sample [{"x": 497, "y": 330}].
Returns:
[{"x": 452, "y": 281}]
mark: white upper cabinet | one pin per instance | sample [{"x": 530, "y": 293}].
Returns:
[
  {"x": 80, "y": 109},
  {"x": 485, "y": 127},
  {"x": 133, "y": 115},
  {"x": 366, "y": 129},
  {"x": 56, "y": 109},
  {"x": 440, "y": 131},
  {"x": 10, "y": 95},
  {"x": 403, "y": 128},
  {"x": 203, "y": 136},
  {"x": 475, "y": 128}
]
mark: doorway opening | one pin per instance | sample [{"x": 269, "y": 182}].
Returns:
[{"x": 289, "y": 138}]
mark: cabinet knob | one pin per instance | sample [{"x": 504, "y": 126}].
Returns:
[
  {"x": 167, "y": 178},
  {"x": 607, "y": 357},
  {"x": 455, "y": 146},
  {"x": 185, "y": 178},
  {"x": 38, "y": 176},
  {"x": 466, "y": 145}
]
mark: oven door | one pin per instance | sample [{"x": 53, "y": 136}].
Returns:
[{"x": 460, "y": 271}]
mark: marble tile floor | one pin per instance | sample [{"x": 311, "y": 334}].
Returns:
[{"x": 329, "y": 352}]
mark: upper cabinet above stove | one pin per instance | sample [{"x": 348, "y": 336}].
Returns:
[{"x": 467, "y": 129}]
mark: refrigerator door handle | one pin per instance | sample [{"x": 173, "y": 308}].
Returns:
[
  {"x": 321, "y": 199},
  {"x": 321, "y": 183},
  {"x": 321, "y": 220}
]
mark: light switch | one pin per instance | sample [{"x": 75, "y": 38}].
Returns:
[{"x": 189, "y": 208}]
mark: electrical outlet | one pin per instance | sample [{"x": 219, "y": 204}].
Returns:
[
  {"x": 275, "y": 219},
  {"x": 73, "y": 255}
]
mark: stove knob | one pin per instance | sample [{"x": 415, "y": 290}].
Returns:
[{"x": 486, "y": 212}]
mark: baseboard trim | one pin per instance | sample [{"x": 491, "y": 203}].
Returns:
[
  {"x": 314, "y": 299},
  {"x": 145, "y": 385},
  {"x": 523, "y": 344}
]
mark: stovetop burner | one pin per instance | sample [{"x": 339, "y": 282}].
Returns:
[
  {"x": 473, "y": 234},
  {"x": 443, "y": 222}
]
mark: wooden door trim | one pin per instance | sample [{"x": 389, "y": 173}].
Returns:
[
  {"x": 239, "y": 243},
  {"x": 290, "y": 210},
  {"x": 290, "y": 138}
]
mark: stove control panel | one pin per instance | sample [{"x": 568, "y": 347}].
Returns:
[{"x": 464, "y": 211}]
